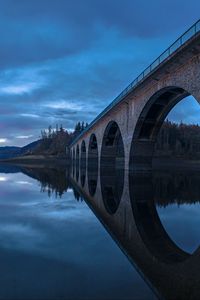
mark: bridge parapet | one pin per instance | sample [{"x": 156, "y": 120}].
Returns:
[{"x": 178, "y": 45}]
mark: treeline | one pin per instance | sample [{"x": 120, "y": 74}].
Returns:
[
  {"x": 174, "y": 140},
  {"x": 178, "y": 140},
  {"x": 55, "y": 141}
]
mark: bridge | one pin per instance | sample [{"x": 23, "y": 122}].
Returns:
[{"x": 123, "y": 135}]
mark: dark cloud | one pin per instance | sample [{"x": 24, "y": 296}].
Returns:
[
  {"x": 64, "y": 61},
  {"x": 38, "y": 30}
]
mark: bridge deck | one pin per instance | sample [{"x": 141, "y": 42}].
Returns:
[{"x": 180, "y": 43}]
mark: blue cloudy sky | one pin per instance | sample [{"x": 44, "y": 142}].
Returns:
[{"x": 62, "y": 61}]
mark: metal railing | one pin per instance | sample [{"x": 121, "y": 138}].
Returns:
[{"x": 191, "y": 32}]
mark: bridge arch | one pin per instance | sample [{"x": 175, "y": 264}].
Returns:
[
  {"x": 83, "y": 163},
  {"x": 77, "y": 162},
  {"x": 112, "y": 167},
  {"x": 92, "y": 168},
  {"x": 140, "y": 183},
  {"x": 149, "y": 124}
]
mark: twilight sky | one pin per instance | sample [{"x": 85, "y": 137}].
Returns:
[{"x": 62, "y": 61}]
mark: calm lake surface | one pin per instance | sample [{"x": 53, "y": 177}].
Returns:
[
  {"x": 53, "y": 246},
  {"x": 56, "y": 248}
]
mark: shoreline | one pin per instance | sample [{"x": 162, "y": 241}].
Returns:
[
  {"x": 37, "y": 160},
  {"x": 158, "y": 163}
]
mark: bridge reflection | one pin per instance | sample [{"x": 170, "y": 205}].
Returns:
[
  {"x": 126, "y": 204},
  {"x": 92, "y": 165}
]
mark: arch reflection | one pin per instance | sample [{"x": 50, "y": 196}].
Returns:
[
  {"x": 92, "y": 164},
  {"x": 73, "y": 163},
  {"x": 77, "y": 162},
  {"x": 143, "y": 201},
  {"x": 138, "y": 229},
  {"x": 83, "y": 163},
  {"x": 112, "y": 167}
]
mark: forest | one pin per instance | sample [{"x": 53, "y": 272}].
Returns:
[
  {"x": 178, "y": 140},
  {"x": 55, "y": 141}
]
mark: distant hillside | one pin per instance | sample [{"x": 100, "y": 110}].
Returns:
[
  {"x": 28, "y": 149},
  {"x": 7, "y": 152},
  {"x": 11, "y": 151}
]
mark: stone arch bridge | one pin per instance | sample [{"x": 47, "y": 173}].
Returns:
[{"x": 123, "y": 135}]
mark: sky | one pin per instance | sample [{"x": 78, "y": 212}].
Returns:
[{"x": 63, "y": 61}]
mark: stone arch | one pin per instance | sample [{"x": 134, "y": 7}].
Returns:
[
  {"x": 83, "y": 163},
  {"x": 112, "y": 167},
  {"x": 92, "y": 164},
  {"x": 149, "y": 124},
  {"x": 77, "y": 162},
  {"x": 140, "y": 174}
]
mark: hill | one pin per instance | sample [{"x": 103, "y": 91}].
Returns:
[{"x": 12, "y": 151}]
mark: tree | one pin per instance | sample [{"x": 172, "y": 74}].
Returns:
[{"x": 49, "y": 131}]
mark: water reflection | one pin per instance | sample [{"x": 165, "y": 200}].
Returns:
[
  {"x": 176, "y": 187},
  {"x": 53, "y": 181},
  {"x": 55, "y": 248},
  {"x": 145, "y": 223},
  {"x": 152, "y": 216},
  {"x": 112, "y": 187},
  {"x": 143, "y": 195},
  {"x": 112, "y": 167},
  {"x": 179, "y": 212},
  {"x": 77, "y": 162},
  {"x": 83, "y": 163},
  {"x": 92, "y": 165}
]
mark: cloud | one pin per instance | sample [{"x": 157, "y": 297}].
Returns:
[
  {"x": 29, "y": 115},
  {"x": 17, "y": 90},
  {"x": 63, "y": 61},
  {"x": 24, "y": 182},
  {"x": 33, "y": 31},
  {"x": 2, "y": 178},
  {"x": 62, "y": 104},
  {"x": 3, "y": 140},
  {"x": 24, "y": 136},
  {"x": 22, "y": 80}
]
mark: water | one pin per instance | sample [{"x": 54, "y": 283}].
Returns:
[
  {"x": 120, "y": 235},
  {"x": 54, "y": 247},
  {"x": 182, "y": 222},
  {"x": 177, "y": 199}
]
